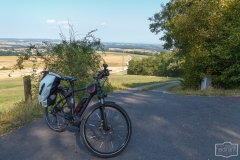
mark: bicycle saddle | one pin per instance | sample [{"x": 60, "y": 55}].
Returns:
[{"x": 68, "y": 78}]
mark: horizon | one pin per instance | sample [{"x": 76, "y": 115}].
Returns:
[
  {"x": 25, "y": 39},
  {"x": 115, "y": 21}
]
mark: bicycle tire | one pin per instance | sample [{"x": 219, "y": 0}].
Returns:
[
  {"x": 110, "y": 143},
  {"x": 54, "y": 114}
]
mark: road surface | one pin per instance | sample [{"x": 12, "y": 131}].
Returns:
[{"x": 165, "y": 127}]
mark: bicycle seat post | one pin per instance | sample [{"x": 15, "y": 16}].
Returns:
[
  {"x": 72, "y": 85},
  {"x": 72, "y": 103}
]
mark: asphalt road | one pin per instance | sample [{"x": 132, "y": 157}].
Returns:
[{"x": 165, "y": 127}]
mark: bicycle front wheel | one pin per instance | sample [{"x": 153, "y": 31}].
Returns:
[
  {"x": 106, "y": 143},
  {"x": 54, "y": 114}
]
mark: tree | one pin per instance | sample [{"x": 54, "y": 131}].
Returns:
[
  {"x": 164, "y": 64},
  {"x": 203, "y": 32}
]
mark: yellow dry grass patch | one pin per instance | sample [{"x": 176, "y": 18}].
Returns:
[
  {"x": 7, "y": 61},
  {"x": 115, "y": 60}
]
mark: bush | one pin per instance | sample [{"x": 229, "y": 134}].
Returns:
[{"x": 76, "y": 58}]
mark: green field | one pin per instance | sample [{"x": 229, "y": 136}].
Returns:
[{"x": 11, "y": 91}]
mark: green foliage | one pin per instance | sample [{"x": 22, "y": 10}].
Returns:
[
  {"x": 207, "y": 36},
  {"x": 164, "y": 64},
  {"x": 10, "y": 53},
  {"x": 141, "y": 53},
  {"x": 76, "y": 58}
]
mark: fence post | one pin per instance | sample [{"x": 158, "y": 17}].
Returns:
[{"x": 27, "y": 88}]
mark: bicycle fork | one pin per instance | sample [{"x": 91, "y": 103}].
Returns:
[{"x": 103, "y": 115}]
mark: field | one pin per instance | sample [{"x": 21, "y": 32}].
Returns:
[
  {"x": 114, "y": 61},
  {"x": 11, "y": 88}
]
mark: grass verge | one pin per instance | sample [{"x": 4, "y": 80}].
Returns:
[
  {"x": 153, "y": 87},
  {"x": 207, "y": 92},
  {"x": 19, "y": 114},
  {"x": 130, "y": 81}
]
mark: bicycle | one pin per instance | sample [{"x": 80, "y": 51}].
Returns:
[{"x": 105, "y": 127}]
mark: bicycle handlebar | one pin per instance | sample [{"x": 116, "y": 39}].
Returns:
[{"x": 103, "y": 73}]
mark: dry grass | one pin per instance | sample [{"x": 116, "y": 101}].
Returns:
[
  {"x": 207, "y": 92},
  {"x": 115, "y": 60},
  {"x": 20, "y": 114},
  {"x": 9, "y": 61}
]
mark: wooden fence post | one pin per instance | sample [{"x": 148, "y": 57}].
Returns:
[{"x": 27, "y": 88}]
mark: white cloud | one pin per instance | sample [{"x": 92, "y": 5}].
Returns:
[
  {"x": 50, "y": 21},
  {"x": 103, "y": 23}
]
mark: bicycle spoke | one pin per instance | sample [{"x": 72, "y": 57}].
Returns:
[
  {"x": 111, "y": 140},
  {"x": 54, "y": 114}
]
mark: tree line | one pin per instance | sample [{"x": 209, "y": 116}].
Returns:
[
  {"x": 9, "y": 53},
  {"x": 164, "y": 64}
]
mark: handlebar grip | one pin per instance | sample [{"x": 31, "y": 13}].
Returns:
[{"x": 105, "y": 66}]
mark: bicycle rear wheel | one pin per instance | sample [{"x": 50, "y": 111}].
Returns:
[
  {"x": 108, "y": 143},
  {"x": 54, "y": 114}
]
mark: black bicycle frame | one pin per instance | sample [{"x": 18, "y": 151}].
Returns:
[{"x": 97, "y": 91}]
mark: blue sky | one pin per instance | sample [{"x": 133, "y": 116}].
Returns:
[{"x": 116, "y": 20}]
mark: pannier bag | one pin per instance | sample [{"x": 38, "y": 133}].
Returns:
[{"x": 47, "y": 88}]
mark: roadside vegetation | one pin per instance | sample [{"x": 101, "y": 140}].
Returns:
[
  {"x": 210, "y": 91},
  {"x": 205, "y": 35},
  {"x": 19, "y": 114},
  {"x": 130, "y": 81}
]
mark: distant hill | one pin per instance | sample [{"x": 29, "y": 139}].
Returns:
[
  {"x": 153, "y": 47},
  {"x": 17, "y": 44}
]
